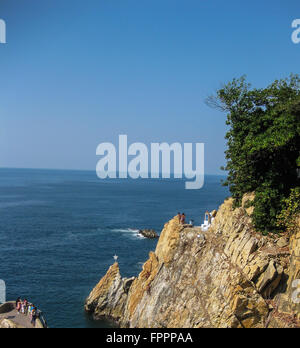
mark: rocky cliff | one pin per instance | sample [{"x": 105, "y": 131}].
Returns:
[{"x": 229, "y": 276}]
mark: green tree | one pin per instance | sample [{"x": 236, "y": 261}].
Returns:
[
  {"x": 290, "y": 214},
  {"x": 263, "y": 143}
]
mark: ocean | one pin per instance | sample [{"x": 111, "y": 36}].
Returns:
[{"x": 59, "y": 231}]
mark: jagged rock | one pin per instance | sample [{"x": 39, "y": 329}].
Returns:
[
  {"x": 108, "y": 298},
  {"x": 282, "y": 242},
  {"x": 127, "y": 282},
  {"x": 213, "y": 213},
  {"x": 247, "y": 200},
  {"x": 151, "y": 234},
  {"x": 221, "y": 279},
  {"x": 286, "y": 300},
  {"x": 270, "y": 279},
  {"x": 8, "y": 324}
]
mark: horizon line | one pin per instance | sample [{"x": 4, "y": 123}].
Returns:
[{"x": 83, "y": 170}]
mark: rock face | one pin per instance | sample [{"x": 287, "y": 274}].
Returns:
[
  {"x": 151, "y": 234},
  {"x": 287, "y": 311},
  {"x": 108, "y": 298},
  {"x": 229, "y": 277},
  {"x": 8, "y": 324}
]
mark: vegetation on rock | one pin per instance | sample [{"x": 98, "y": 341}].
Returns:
[
  {"x": 263, "y": 154},
  {"x": 290, "y": 213}
]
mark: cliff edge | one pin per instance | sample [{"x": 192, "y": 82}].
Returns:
[
  {"x": 227, "y": 277},
  {"x": 11, "y": 319}
]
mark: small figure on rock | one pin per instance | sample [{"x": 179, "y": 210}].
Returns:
[
  {"x": 179, "y": 217},
  {"x": 182, "y": 219}
]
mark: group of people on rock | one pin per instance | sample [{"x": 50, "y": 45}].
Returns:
[
  {"x": 26, "y": 308},
  {"x": 181, "y": 219}
]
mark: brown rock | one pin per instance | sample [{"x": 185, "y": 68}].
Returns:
[
  {"x": 283, "y": 242},
  {"x": 151, "y": 234},
  {"x": 8, "y": 324},
  {"x": 108, "y": 298},
  {"x": 221, "y": 282}
]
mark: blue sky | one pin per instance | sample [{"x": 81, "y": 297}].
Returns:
[{"x": 77, "y": 73}]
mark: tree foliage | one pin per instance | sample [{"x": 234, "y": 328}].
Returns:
[
  {"x": 263, "y": 143},
  {"x": 290, "y": 214}
]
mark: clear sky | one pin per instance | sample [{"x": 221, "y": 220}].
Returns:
[{"x": 77, "y": 73}]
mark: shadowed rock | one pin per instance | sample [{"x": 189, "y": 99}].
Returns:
[{"x": 151, "y": 234}]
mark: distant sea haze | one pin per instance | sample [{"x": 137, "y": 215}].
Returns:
[{"x": 61, "y": 229}]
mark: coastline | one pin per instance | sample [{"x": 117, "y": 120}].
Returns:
[{"x": 229, "y": 276}]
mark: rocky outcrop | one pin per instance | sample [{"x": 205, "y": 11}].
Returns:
[
  {"x": 287, "y": 302},
  {"x": 151, "y": 234},
  {"x": 11, "y": 319},
  {"x": 8, "y": 324},
  {"x": 229, "y": 276},
  {"x": 109, "y": 297}
]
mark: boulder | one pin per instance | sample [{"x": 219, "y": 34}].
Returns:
[
  {"x": 8, "y": 324},
  {"x": 270, "y": 279},
  {"x": 147, "y": 233},
  {"x": 283, "y": 242}
]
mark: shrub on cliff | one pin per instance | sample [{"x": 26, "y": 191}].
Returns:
[
  {"x": 288, "y": 217},
  {"x": 263, "y": 144}
]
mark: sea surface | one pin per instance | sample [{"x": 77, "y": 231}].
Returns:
[{"x": 59, "y": 231}]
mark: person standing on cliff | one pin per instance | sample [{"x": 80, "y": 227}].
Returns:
[
  {"x": 182, "y": 220},
  {"x": 18, "y": 305},
  {"x": 18, "y": 300},
  {"x": 33, "y": 315},
  {"x": 179, "y": 217},
  {"x": 25, "y": 306}
]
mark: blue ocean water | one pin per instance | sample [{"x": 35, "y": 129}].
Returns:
[{"x": 59, "y": 231}]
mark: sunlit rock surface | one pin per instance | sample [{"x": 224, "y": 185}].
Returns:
[{"x": 227, "y": 277}]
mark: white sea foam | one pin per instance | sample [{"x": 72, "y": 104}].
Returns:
[
  {"x": 132, "y": 232},
  {"x": 124, "y": 230}
]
